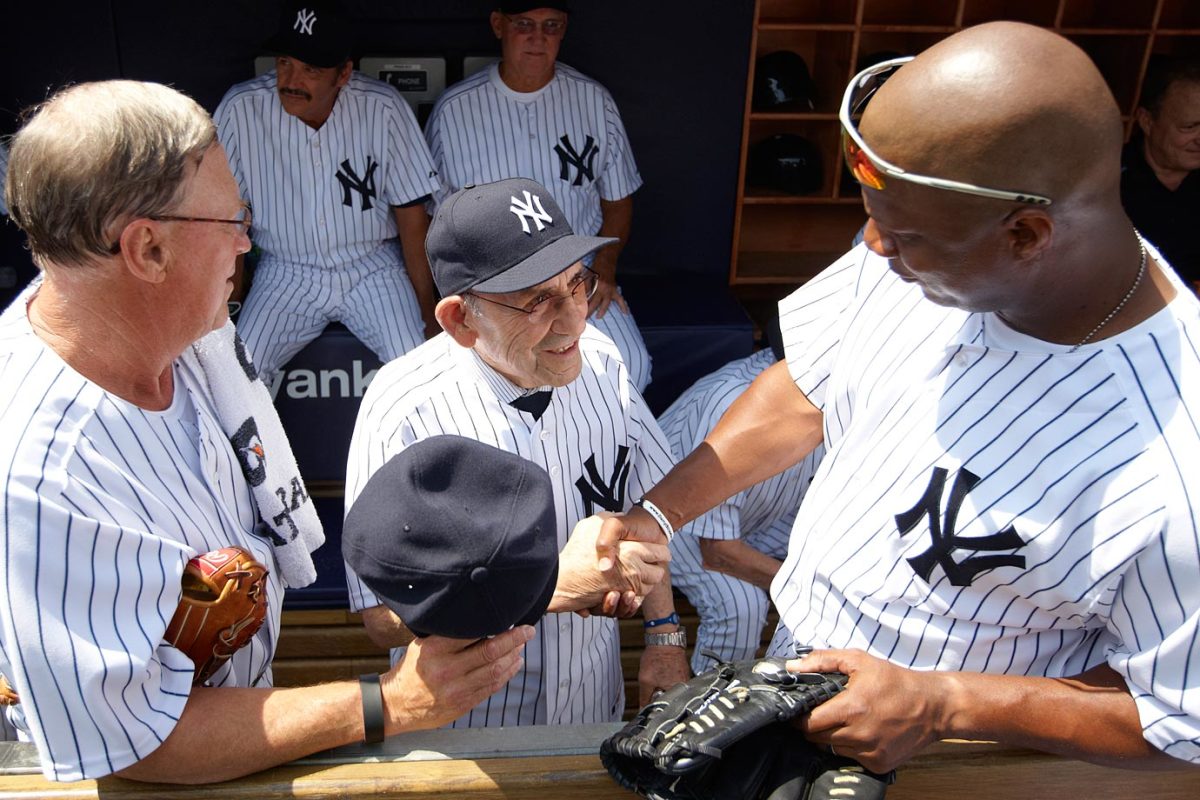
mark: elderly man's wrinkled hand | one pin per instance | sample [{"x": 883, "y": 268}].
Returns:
[
  {"x": 440, "y": 679},
  {"x": 634, "y": 568}
]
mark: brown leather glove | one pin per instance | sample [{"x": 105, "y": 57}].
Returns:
[{"x": 224, "y": 604}]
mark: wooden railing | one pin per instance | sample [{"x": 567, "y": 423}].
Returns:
[{"x": 540, "y": 763}]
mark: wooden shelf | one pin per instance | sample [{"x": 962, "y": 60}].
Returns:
[{"x": 783, "y": 239}]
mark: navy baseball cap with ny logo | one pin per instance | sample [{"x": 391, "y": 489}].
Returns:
[
  {"x": 313, "y": 31},
  {"x": 459, "y": 538},
  {"x": 502, "y": 237}
]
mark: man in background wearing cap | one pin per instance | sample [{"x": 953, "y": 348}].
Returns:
[
  {"x": 725, "y": 560},
  {"x": 533, "y": 117},
  {"x": 519, "y": 368},
  {"x": 334, "y": 167}
]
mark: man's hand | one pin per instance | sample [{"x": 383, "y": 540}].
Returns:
[
  {"x": 440, "y": 679},
  {"x": 662, "y": 667},
  {"x": 633, "y": 568},
  {"x": 884, "y": 716},
  {"x": 606, "y": 293},
  {"x": 635, "y": 525}
]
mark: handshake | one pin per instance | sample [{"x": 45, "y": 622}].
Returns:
[{"x": 610, "y": 563}]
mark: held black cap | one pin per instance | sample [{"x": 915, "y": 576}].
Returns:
[
  {"x": 459, "y": 538},
  {"x": 502, "y": 237}
]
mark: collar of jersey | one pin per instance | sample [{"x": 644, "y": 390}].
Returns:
[
  {"x": 520, "y": 97},
  {"x": 505, "y": 390}
]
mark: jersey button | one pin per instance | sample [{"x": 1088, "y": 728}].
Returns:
[
  {"x": 546, "y": 435},
  {"x": 555, "y": 471}
]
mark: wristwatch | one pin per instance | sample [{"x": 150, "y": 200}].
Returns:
[{"x": 675, "y": 639}]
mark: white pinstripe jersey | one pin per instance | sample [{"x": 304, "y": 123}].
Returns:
[
  {"x": 104, "y": 503},
  {"x": 323, "y": 197},
  {"x": 766, "y": 506},
  {"x": 990, "y": 502},
  {"x": 567, "y": 136},
  {"x": 596, "y": 438}
]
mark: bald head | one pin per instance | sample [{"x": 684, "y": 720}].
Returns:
[{"x": 1003, "y": 105}]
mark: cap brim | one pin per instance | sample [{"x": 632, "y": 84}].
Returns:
[{"x": 544, "y": 264}]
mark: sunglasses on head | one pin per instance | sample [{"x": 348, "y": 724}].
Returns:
[{"x": 870, "y": 170}]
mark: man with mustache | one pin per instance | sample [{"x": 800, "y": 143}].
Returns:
[
  {"x": 335, "y": 167},
  {"x": 519, "y": 368}
]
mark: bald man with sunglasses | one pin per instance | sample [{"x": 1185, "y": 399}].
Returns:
[{"x": 1001, "y": 541}]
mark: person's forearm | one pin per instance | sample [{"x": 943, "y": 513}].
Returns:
[
  {"x": 766, "y": 430},
  {"x": 225, "y": 733},
  {"x": 385, "y": 628},
  {"x": 737, "y": 559},
  {"x": 659, "y": 603},
  {"x": 1091, "y": 717},
  {"x": 413, "y": 225}
]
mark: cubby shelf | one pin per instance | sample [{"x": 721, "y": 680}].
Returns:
[{"x": 781, "y": 240}]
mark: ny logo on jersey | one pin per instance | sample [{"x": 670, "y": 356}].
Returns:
[
  {"x": 305, "y": 20},
  {"x": 365, "y": 186},
  {"x": 530, "y": 211},
  {"x": 581, "y": 160},
  {"x": 595, "y": 492},
  {"x": 945, "y": 541}
]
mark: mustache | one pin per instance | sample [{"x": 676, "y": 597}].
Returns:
[{"x": 295, "y": 93}]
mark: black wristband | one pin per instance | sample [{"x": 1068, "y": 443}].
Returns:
[{"x": 372, "y": 707}]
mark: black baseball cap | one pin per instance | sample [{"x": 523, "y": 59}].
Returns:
[
  {"x": 313, "y": 32},
  {"x": 459, "y": 538},
  {"x": 502, "y": 237},
  {"x": 521, "y": 8}
]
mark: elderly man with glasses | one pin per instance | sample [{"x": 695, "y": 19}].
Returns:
[
  {"x": 1001, "y": 541},
  {"x": 119, "y": 467},
  {"x": 532, "y": 116},
  {"x": 519, "y": 368}
]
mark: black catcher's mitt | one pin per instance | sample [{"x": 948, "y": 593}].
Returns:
[{"x": 724, "y": 734}]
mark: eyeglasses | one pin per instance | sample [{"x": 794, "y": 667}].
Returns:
[
  {"x": 526, "y": 26},
  {"x": 246, "y": 221},
  {"x": 545, "y": 303},
  {"x": 869, "y": 169}
]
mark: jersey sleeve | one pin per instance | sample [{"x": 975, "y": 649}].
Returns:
[
  {"x": 1154, "y": 618},
  {"x": 87, "y": 597},
  {"x": 412, "y": 174},
  {"x": 1156, "y": 646},
  {"x": 813, "y": 319},
  {"x": 619, "y": 177},
  {"x": 370, "y": 449},
  {"x": 654, "y": 458},
  {"x": 435, "y": 133},
  {"x": 226, "y": 122}
]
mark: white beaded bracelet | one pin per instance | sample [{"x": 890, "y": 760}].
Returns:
[{"x": 659, "y": 517}]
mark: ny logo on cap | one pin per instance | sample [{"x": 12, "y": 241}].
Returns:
[
  {"x": 530, "y": 210},
  {"x": 305, "y": 20}
]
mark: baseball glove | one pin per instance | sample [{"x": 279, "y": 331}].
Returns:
[
  {"x": 724, "y": 734},
  {"x": 224, "y": 604}
]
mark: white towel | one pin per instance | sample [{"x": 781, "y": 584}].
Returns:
[{"x": 249, "y": 419}]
